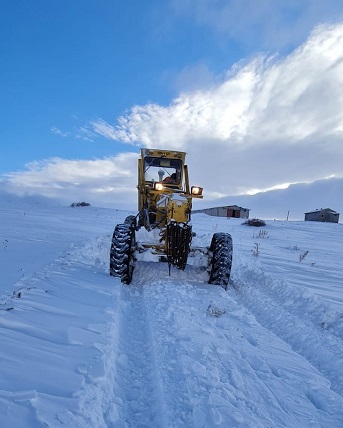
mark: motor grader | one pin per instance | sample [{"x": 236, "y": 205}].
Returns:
[{"x": 165, "y": 205}]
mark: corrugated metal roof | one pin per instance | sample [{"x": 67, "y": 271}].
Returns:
[{"x": 322, "y": 209}]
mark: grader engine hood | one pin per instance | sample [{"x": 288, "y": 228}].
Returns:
[{"x": 177, "y": 207}]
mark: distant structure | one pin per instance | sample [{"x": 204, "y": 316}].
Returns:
[
  {"x": 326, "y": 215},
  {"x": 230, "y": 211}
]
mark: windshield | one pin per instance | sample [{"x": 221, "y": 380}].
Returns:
[{"x": 162, "y": 169}]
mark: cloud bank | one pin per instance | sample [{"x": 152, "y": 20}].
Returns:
[
  {"x": 108, "y": 182},
  {"x": 267, "y": 123}
]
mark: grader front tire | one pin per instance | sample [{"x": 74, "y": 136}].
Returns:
[
  {"x": 221, "y": 261},
  {"x": 122, "y": 252}
]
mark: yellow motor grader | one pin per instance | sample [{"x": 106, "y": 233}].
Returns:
[{"x": 165, "y": 204}]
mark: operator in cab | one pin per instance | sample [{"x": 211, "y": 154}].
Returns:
[{"x": 171, "y": 179}]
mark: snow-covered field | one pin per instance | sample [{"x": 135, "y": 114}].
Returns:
[{"x": 79, "y": 349}]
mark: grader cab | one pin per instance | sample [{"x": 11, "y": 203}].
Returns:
[{"x": 165, "y": 204}]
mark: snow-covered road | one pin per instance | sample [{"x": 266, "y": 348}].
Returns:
[{"x": 79, "y": 349}]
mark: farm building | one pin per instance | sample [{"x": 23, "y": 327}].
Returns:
[
  {"x": 226, "y": 211},
  {"x": 326, "y": 215}
]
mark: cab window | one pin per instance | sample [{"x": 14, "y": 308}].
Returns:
[{"x": 162, "y": 169}]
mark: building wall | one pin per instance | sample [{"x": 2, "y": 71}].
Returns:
[
  {"x": 227, "y": 211},
  {"x": 237, "y": 213},
  {"x": 322, "y": 215},
  {"x": 216, "y": 211}
]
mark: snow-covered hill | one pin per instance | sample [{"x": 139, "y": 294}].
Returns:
[
  {"x": 79, "y": 349},
  {"x": 293, "y": 201}
]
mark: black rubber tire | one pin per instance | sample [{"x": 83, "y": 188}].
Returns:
[
  {"x": 122, "y": 252},
  {"x": 130, "y": 220},
  {"x": 221, "y": 260},
  {"x": 179, "y": 238}
]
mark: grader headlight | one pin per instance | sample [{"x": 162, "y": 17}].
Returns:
[
  {"x": 158, "y": 186},
  {"x": 196, "y": 191}
]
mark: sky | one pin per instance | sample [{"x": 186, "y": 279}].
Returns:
[{"x": 255, "y": 99}]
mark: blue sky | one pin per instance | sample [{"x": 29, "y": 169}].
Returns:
[
  {"x": 86, "y": 83},
  {"x": 65, "y": 63}
]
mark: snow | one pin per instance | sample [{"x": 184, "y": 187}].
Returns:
[{"x": 80, "y": 349}]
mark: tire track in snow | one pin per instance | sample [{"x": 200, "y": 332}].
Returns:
[
  {"x": 322, "y": 349},
  {"x": 135, "y": 365},
  {"x": 160, "y": 300}
]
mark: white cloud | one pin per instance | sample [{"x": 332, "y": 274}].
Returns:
[
  {"x": 103, "y": 129},
  {"x": 270, "y": 122},
  {"x": 57, "y": 131},
  {"x": 215, "y": 113},
  {"x": 75, "y": 180}
]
